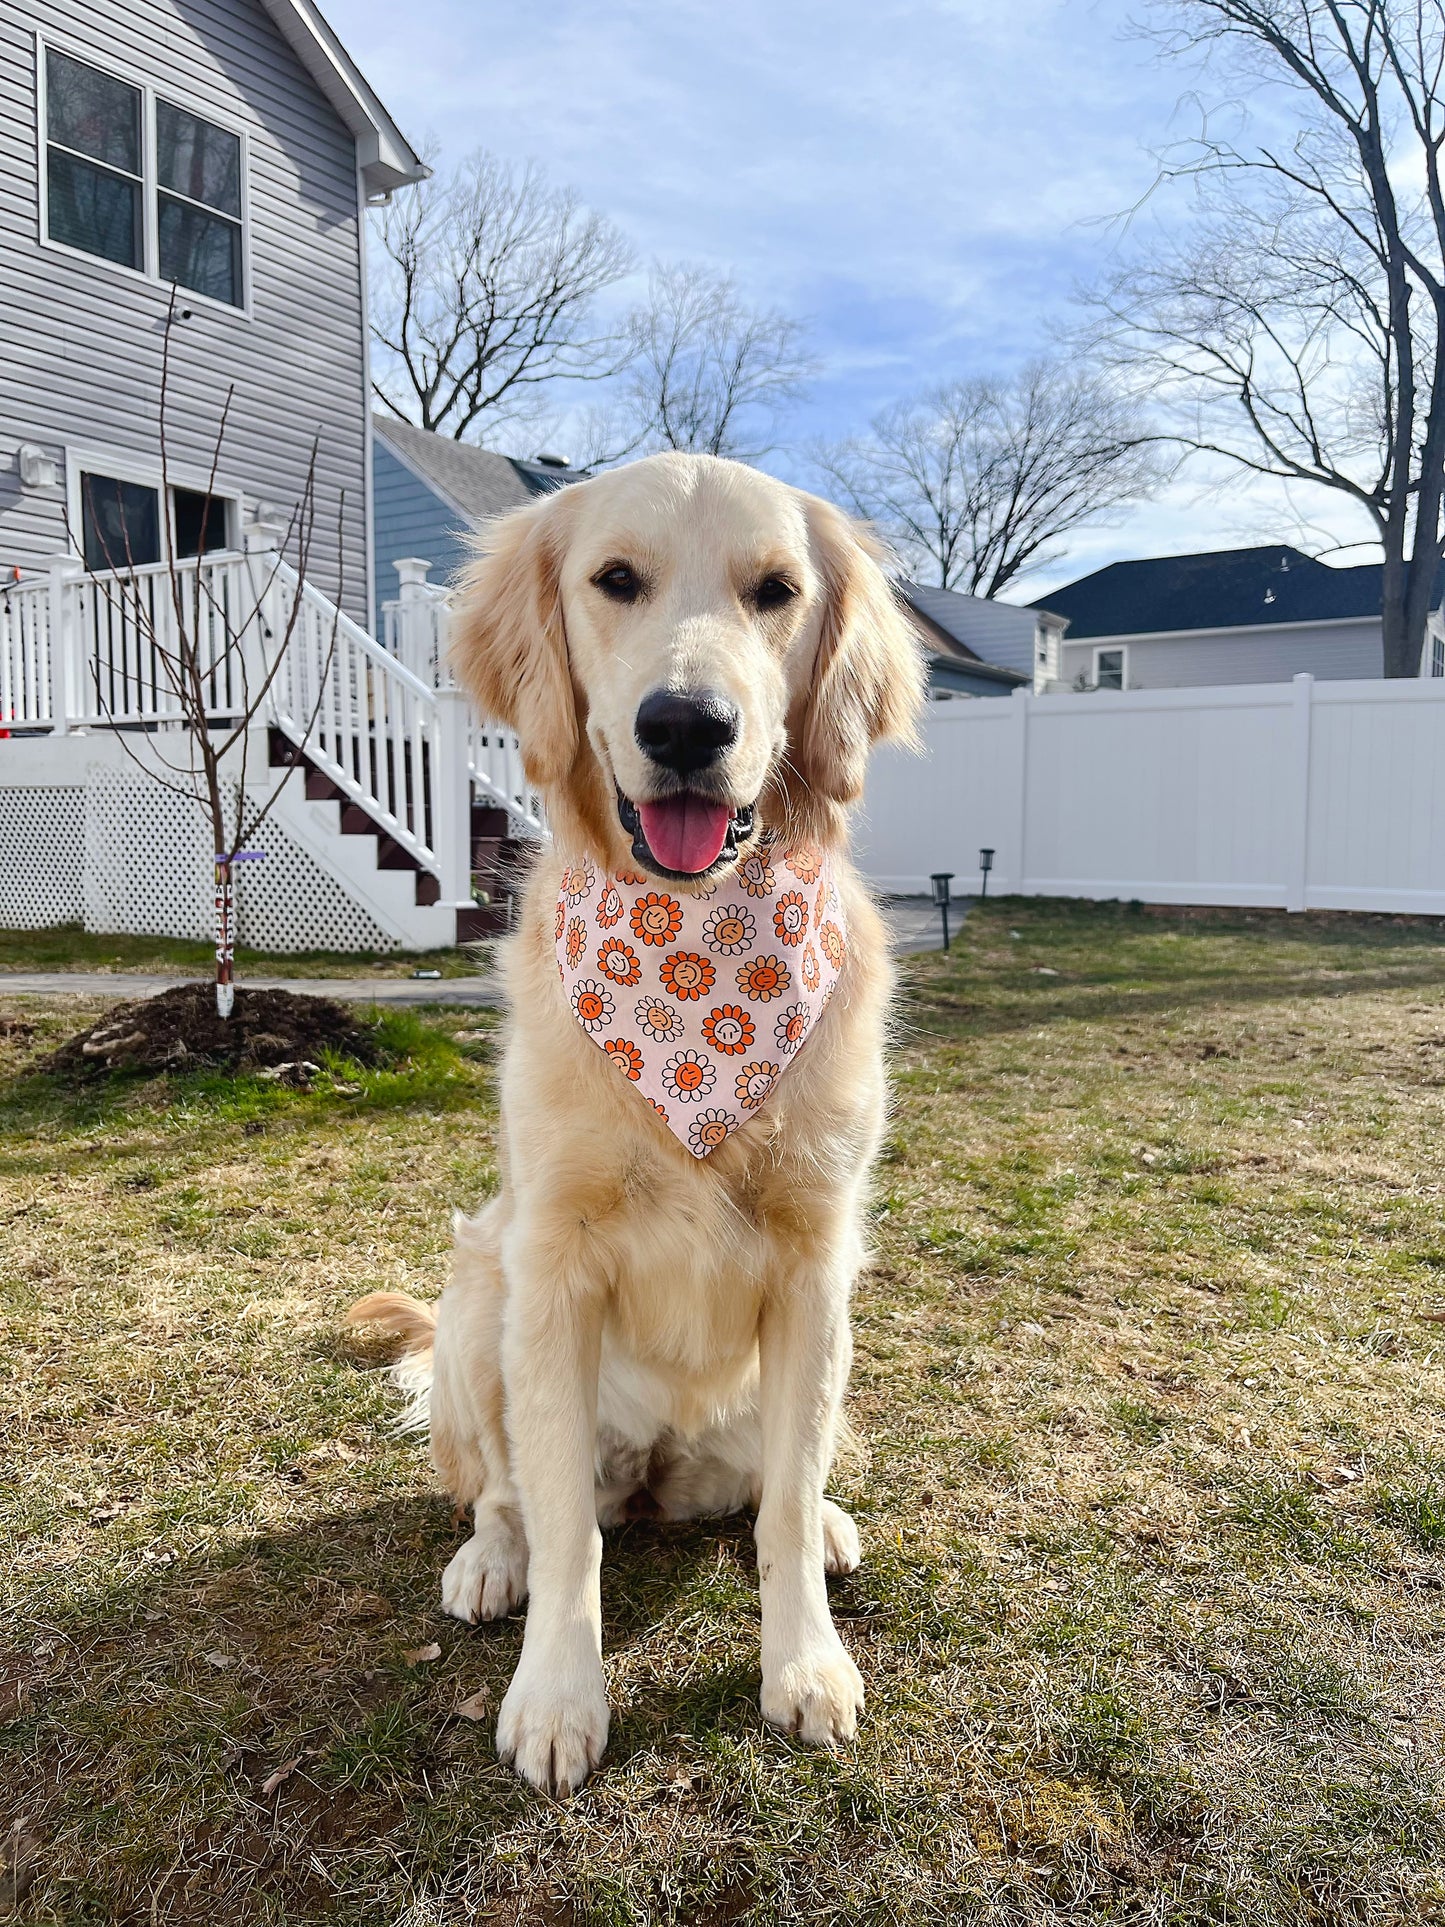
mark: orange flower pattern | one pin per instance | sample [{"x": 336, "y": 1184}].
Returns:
[
  {"x": 729, "y": 1030},
  {"x": 656, "y": 917},
  {"x": 686, "y": 975},
  {"x": 618, "y": 962},
  {"x": 754, "y": 937},
  {"x": 805, "y": 861},
  {"x": 790, "y": 919},
  {"x": 626, "y": 1056}
]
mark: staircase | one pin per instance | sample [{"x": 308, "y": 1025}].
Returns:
[
  {"x": 377, "y": 732},
  {"x": 499, "y": 859}
]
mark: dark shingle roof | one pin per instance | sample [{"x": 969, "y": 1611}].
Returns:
[
  {"x": 476, "y": 481},
  {"x": 1231, "y": 589}
]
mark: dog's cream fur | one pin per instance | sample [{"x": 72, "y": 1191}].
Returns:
[{"x": 627, "y": 1324}]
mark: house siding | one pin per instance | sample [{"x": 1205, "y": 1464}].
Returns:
[
  {"x": 1345, "y": 651},
  {"x": 83, "y": 340},
  {"x": 411, "y": 519}
]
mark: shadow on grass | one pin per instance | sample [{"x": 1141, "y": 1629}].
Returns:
[{"x": 141, "y": 1722}]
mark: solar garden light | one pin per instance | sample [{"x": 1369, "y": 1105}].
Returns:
[
  {"x": 942, "y": 880},
  {"x": 985, "y": 864}
]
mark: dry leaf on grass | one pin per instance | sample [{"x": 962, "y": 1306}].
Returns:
[
  {"x": 284, "y": 1772},
  {"x": 478, "y": 1707},
  {"x": 423, "y": 1655}
]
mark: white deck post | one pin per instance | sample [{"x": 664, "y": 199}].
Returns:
[
  {"x": 67, "y": 687},
  {"x": 452, "y": 836},
  {"x": 261, "y": 542},
  {"x": 414, "y": 631}
]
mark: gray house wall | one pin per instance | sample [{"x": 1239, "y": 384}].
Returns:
[
  {"x": 411, "y": 519},
  {"x": 82, "y": 339},
  {"x": 1332, "y": 651}
]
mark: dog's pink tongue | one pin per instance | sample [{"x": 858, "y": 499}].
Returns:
[{"x": 685, "y": 833}]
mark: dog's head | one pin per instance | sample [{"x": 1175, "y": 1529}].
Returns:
[{"x": 689, "y": 651}]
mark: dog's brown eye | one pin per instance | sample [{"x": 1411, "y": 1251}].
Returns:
[
  {"x": 620, "y": 582},
  {"x": 773, "y": 591}
]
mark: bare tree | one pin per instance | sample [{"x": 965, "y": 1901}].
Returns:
[
  {"x": 978, "y": 482},
  {"x": 208, "y": 662},
  {"x": 485, "y": 293},
  {"x": 1298, "y": 326},
  {"x": 706, "y": 372}
]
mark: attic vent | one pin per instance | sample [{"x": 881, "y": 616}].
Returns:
[
  {"x": 1269, "y": 595},
  {"x": 1284, "y": 564},
  {"x": 552, "y": 461}
]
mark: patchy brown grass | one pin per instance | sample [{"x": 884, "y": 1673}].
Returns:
[{"x": 1150, "y": 1372}]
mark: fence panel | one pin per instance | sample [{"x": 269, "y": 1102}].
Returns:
[{"x": 1301, "y": 795}]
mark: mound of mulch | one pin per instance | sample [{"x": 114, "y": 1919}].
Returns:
[{"x": 269, "y": 1030}]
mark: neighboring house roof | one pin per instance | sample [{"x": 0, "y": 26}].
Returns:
[
  {"x": 1229, "y": 589},
  {"x": 975, "y": 630},
  {"x": 387, "y": 158},
  {"x": 477, "y": 482}
]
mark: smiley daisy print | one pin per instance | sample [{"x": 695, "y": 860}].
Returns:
[{"x": 701, "y": 999}]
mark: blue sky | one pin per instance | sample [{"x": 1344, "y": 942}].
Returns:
[{"x": 926, "y": 183}]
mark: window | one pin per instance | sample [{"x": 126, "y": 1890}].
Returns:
[
  {"x": 141, "y": 181},
  {"x": 1437, "y": 656},
  {"x": 199, "y": 522},
  {"x": 1109, "y": 668},
  {"x": 198, "y": 204},
  {"x": 93, "y": 161},
  {"x": 121, "y": 522}
]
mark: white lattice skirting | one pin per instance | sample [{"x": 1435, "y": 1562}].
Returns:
[{"x": 118, "y": 853}]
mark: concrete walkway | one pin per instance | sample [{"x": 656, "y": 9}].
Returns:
[
  {"x": 478, "y": 992},
  {"x": 913, "y": 921}
]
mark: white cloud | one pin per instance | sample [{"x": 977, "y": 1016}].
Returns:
[{"x": 926, "y": 180}]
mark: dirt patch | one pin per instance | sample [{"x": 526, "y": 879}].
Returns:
[{"x": 179, "y": 1030}]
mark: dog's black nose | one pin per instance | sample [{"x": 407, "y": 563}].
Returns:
[{"x": 685, "y": 732}]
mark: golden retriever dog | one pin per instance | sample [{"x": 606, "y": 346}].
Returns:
[{"x": 697, "y": 659}]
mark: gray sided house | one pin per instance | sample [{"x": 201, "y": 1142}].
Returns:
[
  {"x": 225, "y": 149},
  {"x": 979, "y": 647},
  {"x": 1258, "y": 615},
  {"x": 431, "y": 493}
]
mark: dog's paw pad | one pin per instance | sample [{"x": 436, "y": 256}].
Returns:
[
  {"x": 487, "y": 1577},
  {"x": 841, "y": 1550},
  {"x": 818, "y": 1698}
]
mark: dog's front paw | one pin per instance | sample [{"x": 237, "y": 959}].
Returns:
[
  {"x": 818, "y": 1696},
  {"x": 487, "y": 1577},
  {"x": 841, "y": 1549},
  {"x": 553, "y": 1723}
]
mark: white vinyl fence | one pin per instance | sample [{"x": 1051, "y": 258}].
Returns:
[{"x": 1299, "y": 795}]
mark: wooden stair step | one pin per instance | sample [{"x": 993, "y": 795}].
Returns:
[
  {"x": 478, "y": 920},
  {"x": 489, "y": 820},
  {"x": 390, "y": 855}
]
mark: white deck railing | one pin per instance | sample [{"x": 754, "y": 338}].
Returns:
[
  {"x": 417, "y": 628},
  {"x": 385, "y": 725},
  {"x": 25, "y": 670}
]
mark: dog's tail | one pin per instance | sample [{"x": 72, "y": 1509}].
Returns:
[{"x": 415, "y": 1324}]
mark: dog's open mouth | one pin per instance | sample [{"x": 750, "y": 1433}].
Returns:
[{"x": 684, "y": 835}]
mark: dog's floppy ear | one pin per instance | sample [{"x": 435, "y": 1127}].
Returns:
[
  {"x": 509, "y": 646},
  {"x": 866, "y": 681}
]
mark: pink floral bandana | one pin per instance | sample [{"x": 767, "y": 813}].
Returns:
[{"x": 702, "y": 998}]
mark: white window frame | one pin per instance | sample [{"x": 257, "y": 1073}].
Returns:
[
  {"x": 126, "y": 468},
  {"x": 1119, "y": 649},
  {"x": 151, "y": 189}
]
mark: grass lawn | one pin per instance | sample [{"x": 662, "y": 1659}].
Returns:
[
  {"x": 1151, "y": 1380},
  {"x": 68, "y": 947}
]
